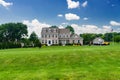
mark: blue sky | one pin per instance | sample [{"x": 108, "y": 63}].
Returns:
[{"x": 80, "y": 13}]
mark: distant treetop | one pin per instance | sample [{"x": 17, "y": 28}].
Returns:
[
  {"x": 54, "y": 26},
  {"x": 70, "y": 28}
]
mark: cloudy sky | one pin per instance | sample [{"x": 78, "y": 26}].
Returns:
[{"x": 85, "y": 16}]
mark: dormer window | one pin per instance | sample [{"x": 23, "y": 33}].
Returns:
[
  {"x": 46, "y": 30},
  {"x": 54, "y": 30},
  {"x": 76, "y": 36},
  {"x": 49, "y": 30}
]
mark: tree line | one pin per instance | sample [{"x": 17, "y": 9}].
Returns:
[
  {"x": 15, "y": 35},
  {"x": 108, "y": 37}
]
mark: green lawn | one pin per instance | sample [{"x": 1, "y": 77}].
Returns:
[{"x": 61, "y": 63}]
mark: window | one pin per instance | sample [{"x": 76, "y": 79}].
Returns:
[
  {"x": 56, "y": 41},
  {"x": 49, "y": 30},
  {"x": 73, "y": 41},
  {"x": 42, "y": 36},
  {"x": 53, "y": 35},
  {"x": 67, "y": 36},
  {"x": 45, "y": 41},
  {"x": 42, "y": 41},
  {"x": 45, "y": 36},
  {"x": 54, "y": 30},
  {"x": 60, "y": 36},
  {"x": 53, "y": 41},
  {"x": 56, "y": 36},
  {"x": 78, "y": 41},
  {"x": 63, "y": 36}
]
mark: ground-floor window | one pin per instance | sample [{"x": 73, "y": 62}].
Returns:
[
  {"x": 78, "y": 41},
  {"x": 73, "y": 41},
  {"x": 56, "y": 41},
  {"x": 53, "y": 41},
  {"x": 42, "y": 41},
  {"x": 45, "y": 41}
]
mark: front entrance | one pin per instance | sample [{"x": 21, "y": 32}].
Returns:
[
  {"x": 49, "y": 42},
  {"x": 63, "y": 42}
]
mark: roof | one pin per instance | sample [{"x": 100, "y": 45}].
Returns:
[
  {"x": 49, "y": 30},
  {"x": 64, "y": 31},
  {"x": 75, "y": 36},
  {"x": 98, "y": 39}
]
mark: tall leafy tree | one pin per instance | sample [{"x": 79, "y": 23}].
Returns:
[
  {"x": 108, "y": 36},
  {"x": 34, "y": 39},
  {"x": 117, "y": 38},
  {"x": 11, "y": 32},
  {"x": 11, "y": 35},
  {"x": 71, "y": 29}
]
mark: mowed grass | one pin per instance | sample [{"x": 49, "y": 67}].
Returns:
[{"x": 61, "y": 63}]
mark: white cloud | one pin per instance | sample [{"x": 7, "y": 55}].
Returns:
[
  {"x": 85, "y": 18},
  {"x": 85, "y": 4},
  {"x": 90, "y": 29},
  {"x": 71, "y": 16},
  {"x": 117, "y": 30},
  {"x": 35, "y": 26},
  {"x": 107, "y": 27},
  {"x": 73, "y": 4},
  {"x": 60, "y": 15},
  {"x": 114, "y": 23},
  {"x": 61, "y": 27},
  {"x": 5, "y": 4},
  {"x": 65, "y": 23}
]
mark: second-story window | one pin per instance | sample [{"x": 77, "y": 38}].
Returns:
[
  {"x": 67, "y": 36},
  {"x": 46, "y": 30},
  {"x": 45, "y": 36},
  {"x": 53, "y": 35},
  {"x": 49, "y": 30},
  {"x": 60, "y": 36},
  {"x": 42, "y": 36}
]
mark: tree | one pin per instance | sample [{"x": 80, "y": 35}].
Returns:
[
  {"x": 108, "y": 36},
  {"x": 88, "y": 37},
  {"x": 71, "y": 29},
  {"x": 117, "y": 38},
  {"x": 54, "y": 26},
  {"x": 33, "y": 37},
  {"x": 11, "y": 32},
  {"x": 34, "y": 40}
]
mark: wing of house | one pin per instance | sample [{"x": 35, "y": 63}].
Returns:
[{"x": 76, "y": 39}]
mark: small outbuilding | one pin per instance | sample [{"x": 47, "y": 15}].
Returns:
[{"x": 98, "y": 41}]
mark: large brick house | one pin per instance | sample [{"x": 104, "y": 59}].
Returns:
[{"x": 52, "y": 36}]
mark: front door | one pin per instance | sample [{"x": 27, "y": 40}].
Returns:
[{"x": 49, "y": 42}]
